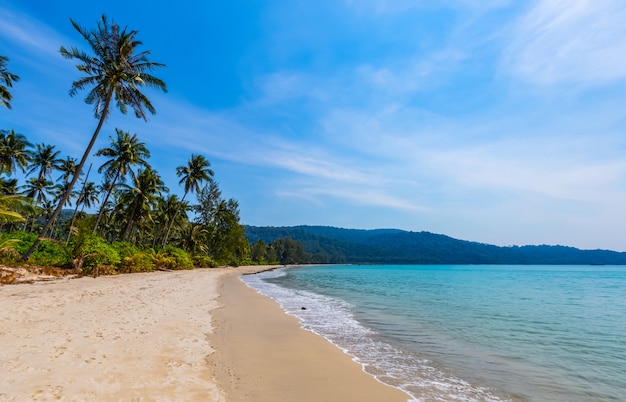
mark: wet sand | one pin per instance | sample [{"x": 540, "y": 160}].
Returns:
[
  {"x": 263, "y": 355},
  {"x": 167, "y": 336}
]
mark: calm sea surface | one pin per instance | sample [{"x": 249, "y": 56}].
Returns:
[{"x": 469, "y": 332}]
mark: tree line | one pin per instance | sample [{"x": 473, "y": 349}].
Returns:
[{"x": 139, "y": 225}]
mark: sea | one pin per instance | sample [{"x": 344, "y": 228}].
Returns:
[{"x": 468, "y": 332}]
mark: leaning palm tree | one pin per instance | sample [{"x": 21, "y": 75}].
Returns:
[
  {"x": 44, "y": 161},
  {"x": 115, "y": 71},
  {"x": 192, "y": 176},
  {"x": 125, "y": 151},
  {"x": 6, "y": 80},
  {"x": 14, "y": 152},
  {"x": 86, "y": 198}
]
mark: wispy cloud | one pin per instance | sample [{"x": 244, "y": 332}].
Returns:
[{"x": 569, "y": 41}]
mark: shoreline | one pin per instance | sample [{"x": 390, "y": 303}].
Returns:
[
  {"x": 263, "y": 354},
  {"x": 181, "y": 335}
]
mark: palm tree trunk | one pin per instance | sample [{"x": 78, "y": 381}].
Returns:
[
  {"x": 106, "y": 198},
  {"x": 130, "y": 223},
  {"x": 79, "y": 170},
  {"x": 69, "y": 231},
  {"x": 167, "y": 234}
]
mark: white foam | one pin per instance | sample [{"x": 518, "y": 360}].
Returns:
[{"x": 332, "y": 319}]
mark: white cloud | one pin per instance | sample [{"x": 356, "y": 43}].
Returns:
[{"x": 569, "y": 41}]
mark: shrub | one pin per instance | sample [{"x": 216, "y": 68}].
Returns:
[
  {"x": 132, "y": 259},
  {"x": 173, "y": 258},
  {"x": 49, "y": 252},
  {"x": 204, "y": 261},
  {"x": 96, "y": 251}
]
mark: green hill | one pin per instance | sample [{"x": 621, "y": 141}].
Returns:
[{"x": 392, "y": 246}]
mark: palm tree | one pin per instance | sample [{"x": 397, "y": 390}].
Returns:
[
  {"x": 67, "y": 167},
  {"x": 86, "y": 198},
  {"x": 192, "y": 176},
  {"x": 193, "y": 239},
  {"x": 124, "y": 152},
  {"x": 140, "y": 198},
  {"x": 6, "y": 80},
  {"x": 45, "y": 160},
  {"x": 115, "y": 71},
  {"x": 37, "y": 189},
  {"x": 166, "y": 210},
  {"x": 13, "y": 208},
  {"x": 14, "y": 152}
]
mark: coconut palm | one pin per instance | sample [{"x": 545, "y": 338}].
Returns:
[
  {"x": 6, "y": 80},
  {"x": 37, "y": 189},
  {"x": 167, "y": 209},
  {"x": 125, "y": 151},
  {"x": 115, "y": 71},
  {"x": 67, "y": 167},
  {"x": 140, "y": 197},
  {"x": 13, "y": 208},
  {"x": 14, "y": 152},
  {"x": 44, "y": 161},
  {"x": 8, "y": 186},
  {"x": 192, "y": 176},
  {"x": 86, "y": 198}
]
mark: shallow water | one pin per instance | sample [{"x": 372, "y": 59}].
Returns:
[{"x": 469, "y": 332}]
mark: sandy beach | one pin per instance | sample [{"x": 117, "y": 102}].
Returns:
[{"x": 198, "y": 335}]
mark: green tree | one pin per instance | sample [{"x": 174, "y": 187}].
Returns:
[
  {"x": 7, "y": 79},
  {"x": 192, "y": 176},
  {"x": 115, "y": 71},
  {"x": 8, "y": 186},
  {"x": 257, "y": 252},
  {"x": 193, "y": 239},
  {"x": 44, "y": 161},
  {"x": 67, "y": 167},
  {"x": 226, "y": 239},
  {"x": 124, "y": 152},
  {"x": 14, "y": 152},
  {"x": 167, "y": 210},
  {"x": 37, "y": 189},
  {"x": 86, "y": 198},
  {"x": 140, "y": 198}
]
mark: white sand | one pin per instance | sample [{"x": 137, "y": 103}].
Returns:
[{"x": 129, "y": 337}]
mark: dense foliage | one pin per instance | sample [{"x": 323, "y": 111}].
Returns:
[
  {"x": 137, "y": 224},
  {"x": 391, "y": 246}
]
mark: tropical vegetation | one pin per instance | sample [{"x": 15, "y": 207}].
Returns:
[{"x": 53, "y": 214}]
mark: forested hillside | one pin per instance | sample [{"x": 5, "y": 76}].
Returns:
[{"x": 392, "y": 246}]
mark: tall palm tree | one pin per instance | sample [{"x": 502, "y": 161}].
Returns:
[
  {"x": 44, "y": 161},
  {"x": 6, "y": 80},
  {"x": 192, "y": 176},
  {"x": 14, "y": 152},
  {"x": 140, "y": 198},
  {"x": 67, "y": 167},
  {"x": 124, "y": 152},
  {"x": 116, "y": 70}
]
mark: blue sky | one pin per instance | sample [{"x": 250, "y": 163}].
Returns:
[{"x": 494, "y": 121}]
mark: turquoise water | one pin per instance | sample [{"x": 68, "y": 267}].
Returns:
[{"x": 469, "y": 332}]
